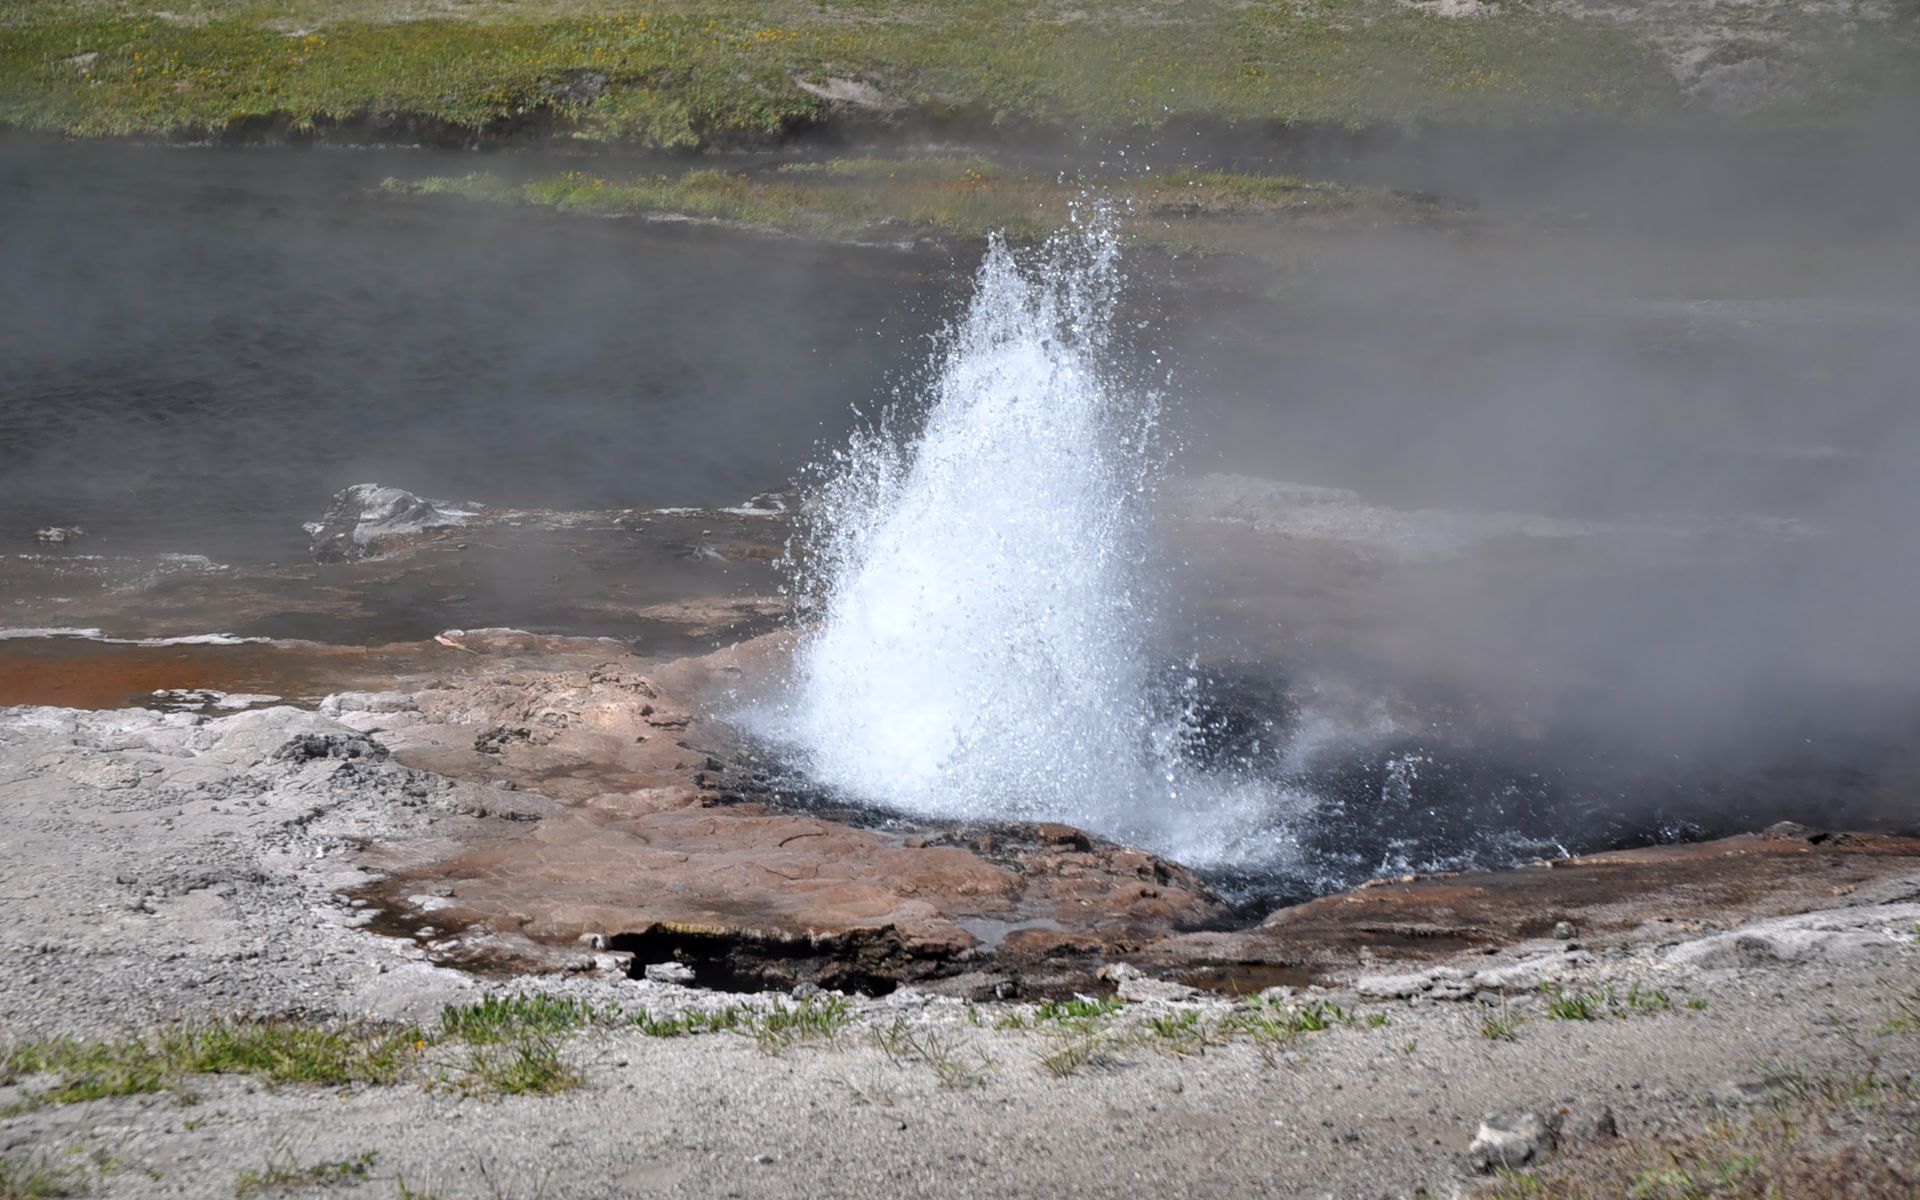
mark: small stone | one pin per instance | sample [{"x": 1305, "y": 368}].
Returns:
[
  {"x": 1509, "y": 1139},
  {"x": 1565, "y": 931},
  {"x": 669, "y": 972}
]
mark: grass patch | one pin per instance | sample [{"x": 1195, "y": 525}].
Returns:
[
  {"x": 1906, "y": 1016},
  {"x": 282, "y": 1174},
  {"x": 1080, "y": 1050},
  {"x": 1182, "y": 1033},
  {"x": 1841, "y": 1137},
  {"x": 38, "y": 1178},
  {"x": 687, "y": 1023},
  {"x": 524, "y": 1063},
  {"x": 814, "y": 1017},
  {"x": 1079, "y": 1010},
  {"x": 871, "y": 199},
  {"x": 500, "y": 1018},
  {"x": 953, "y": 1062},
  {"x": 676, "y": 73},
  {"x": 773, "y": 1028},
  {"x": 1563, "y": 1005},
  {"x": 280, "y": 1052},
  {"x": 1501, "y": 1029}
]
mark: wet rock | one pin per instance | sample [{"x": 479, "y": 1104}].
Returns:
[
  {"x": 1438, "y": 983},
  {"x": 367, "y": 521},
  {"x": 1392, "y": 987},
  {"x": 579, "y": 85},
  {"x": 58, "y": 535},
  {"x": 1135, "y": 986},
  {"x": 309, "y": 746},
  {"x": 1529, "y": 973},
  {"x": 1510, "y": 1139},
  {"x": 669, "y": 972}
]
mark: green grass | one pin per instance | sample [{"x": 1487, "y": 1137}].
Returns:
[
  {"x": 1079, "y": 1009},
  {"x": 815, "y": 1017},
  {"x": 499, "y": 1018},
  {"x": 1906, "y": 1016},
  {"x": 509, "y": 1045},
  {"x": 1205, "y": 211},
  {"x": 687, "y": 1023},
  {"x": 953, "y": 1062},
  {"x": 38, "y": 1178},
  {"x": 772, "y": 1028},
  {"x": 1837, "y": 1137},
  {"x": 525, "y": 1062},
  {"x": 1500, "y": 1029},
  {"x": 280, "y": 1052},
  {"x": 282, "y": 1174},
  {"x": 1563, "y": 1005},
  {"x": 684, "y": 73}
]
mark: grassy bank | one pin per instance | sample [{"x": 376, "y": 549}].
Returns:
[
  {"x": 680, "y": 75},
  {"x": 881, "y": 199}
]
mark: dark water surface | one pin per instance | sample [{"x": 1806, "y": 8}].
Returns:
[{"x": 199, "y": 346}]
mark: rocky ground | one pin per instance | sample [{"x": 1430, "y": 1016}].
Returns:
[
  {"x": 251, "y": 944},
  {"x": 174, "y": 866}
]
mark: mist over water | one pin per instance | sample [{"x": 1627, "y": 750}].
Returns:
[{"x": 984, "y": 591}]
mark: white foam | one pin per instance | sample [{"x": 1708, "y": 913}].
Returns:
[
  {"x": 97, "y": 635},
  {"x": 985, "y": 590}
]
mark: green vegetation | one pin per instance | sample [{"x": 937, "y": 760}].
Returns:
[
  {"x": 279, "y": 1052},
  {"x": 691, "y": 1021},
  {"x": 1080, "y": 1010},
  {"x": 1092, "y": 1032},
  {"x": 499, "y": 1018},
  {"x": 820, "y": 1016},
  {"x": 686, "y": 73},
  {"x": 874, "y": 199},
  {"x": 522, "y": 1062},
  {"x": 1501, "y": 1029},
  {"x": 39, "y": 1179},
  {"x": 1592, "y": 1006},
  {"x": 773, "y": 1028},
  {"x": 1906, "y": 1016},
  {"x": 954, "y": 1063},
  {"x": 281, "y": 1173},
  {"x": 1824, "y": 1138}
]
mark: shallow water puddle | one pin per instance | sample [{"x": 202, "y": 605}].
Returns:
[{"x": 72, "y": 672}]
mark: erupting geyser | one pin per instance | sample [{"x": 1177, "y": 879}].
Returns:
[{"x": 980, "y": 593}]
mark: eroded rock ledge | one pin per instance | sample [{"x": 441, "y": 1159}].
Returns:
[
  {"x": 659, "y": 850},
  {"x": 514, "y": 803}
]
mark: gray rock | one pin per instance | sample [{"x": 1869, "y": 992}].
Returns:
[
  {"x": 1529, "y": 973},
  {"x": 1510, "y": 1139},
  {"x": 1136, "y": 986},
  {"x": 58, "y": 535},
  {"x": 1392, "y": 987},
  {"x": 1580, "y": 1121},
  {"x": 367, "y": 520},
  {"x": 669, "y": 972},
  {"x": 1565, "y": 931}
]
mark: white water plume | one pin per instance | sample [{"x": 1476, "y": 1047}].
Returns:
[{"x": 983, "y": 591}]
